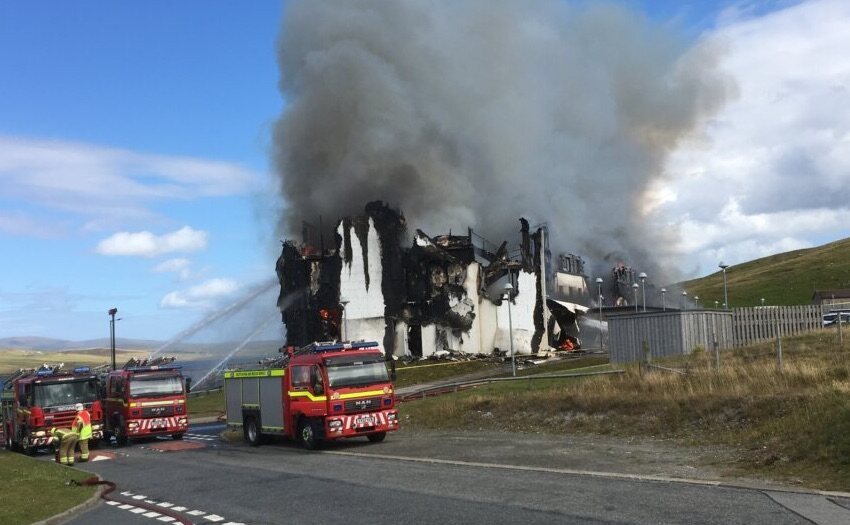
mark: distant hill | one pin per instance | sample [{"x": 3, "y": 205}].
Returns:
[
  {"x": 47, "y": 344},
  {"x": 782, "y": 279}
]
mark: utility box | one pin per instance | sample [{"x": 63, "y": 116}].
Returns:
[{"x": 668, "y": 334}]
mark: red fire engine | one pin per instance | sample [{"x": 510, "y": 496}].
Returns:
[
  {"x": 36, "y": 400},
  {"x": 144, "y": 399},
  {"x": 323, "y": 391}
]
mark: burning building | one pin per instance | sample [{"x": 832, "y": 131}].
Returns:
[{"x": 420, "y": 296}]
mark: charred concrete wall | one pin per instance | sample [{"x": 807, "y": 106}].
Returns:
[{"x": 434, "y": 295}]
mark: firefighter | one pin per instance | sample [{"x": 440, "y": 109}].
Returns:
[
  {"x": 67, "y": 439},
  {"x": 82, "y": 425}
]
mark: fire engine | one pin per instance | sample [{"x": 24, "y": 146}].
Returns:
[
  {"x": 35, "y": 400},
  {"x": 145, "y": 398},
  {"x": 323, "y": 391}
]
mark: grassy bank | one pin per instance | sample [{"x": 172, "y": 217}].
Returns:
[
  {"x": 788, "y": 424},
  {"x": 207, "y": 405},
  {"x": 34, "y": 490}
]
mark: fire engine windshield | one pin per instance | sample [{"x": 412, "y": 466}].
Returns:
[
  {"x": 156, "y": 386},
  {"x": 356, "y": 371},
  {"x": 64, "y": 393}
]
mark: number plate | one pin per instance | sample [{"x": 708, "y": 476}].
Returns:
[
  {"x": 364, "y": 421},
  {"x": 157, "y": 424}
]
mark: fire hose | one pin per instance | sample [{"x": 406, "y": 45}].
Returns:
[{"x": 111, "y": 486}]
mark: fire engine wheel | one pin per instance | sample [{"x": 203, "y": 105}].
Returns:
[
  {"x": 308, "y": 434},
  {"x": 377, "y": 437},
  {"x": 177, "y": 436},
  {"x": 252, "y": 431},
  {"x": 26, "y": 447}
]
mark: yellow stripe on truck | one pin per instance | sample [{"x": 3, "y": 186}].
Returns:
[
  {"x": 237, "y": 374},
  {"x": 308, "y": 395},
  {"x": 355, "y": 395}
]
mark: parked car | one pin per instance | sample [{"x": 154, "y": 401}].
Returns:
[{"x": 831, "y": 318}]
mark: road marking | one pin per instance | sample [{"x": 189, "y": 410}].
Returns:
[
  {"x": 126, "y": 493},
  {"x": 179, "y": 509},
  {"x": 100, "y": 458},
  {"x": 165, "y": 504},
  {"x": 232, "y": 523},
  {"x": 138, "y": 510},
  {"x": 812, "y": 507},
  {"x": 166, "y": 519},
  {"x": 213, "y": 517},
  {"x": 139, "y": 496},
  {"x": 152, "y": 502},
  {"x": 126, "y": 507},
  {"x": 197, "y": 513},
  {"x": 113, "y": 503},
  {"x": 151, "y": 514}
]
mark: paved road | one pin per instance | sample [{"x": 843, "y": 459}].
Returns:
[{"x": 213, "y": 482}]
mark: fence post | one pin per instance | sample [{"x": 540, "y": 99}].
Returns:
[
  {"x": 716, "y": 345},
  {"x": 779, "y": 344},
  {"x": 646, "y": 358},
  {"x": 840, "y": 333}
]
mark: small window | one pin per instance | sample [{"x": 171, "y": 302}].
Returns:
[{"x": 300, "y": 377}]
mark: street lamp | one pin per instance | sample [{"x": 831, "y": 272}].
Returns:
[
  {"x": 696, "y": 301},
  {"x": 112, "y": 312},
  {"x": 599, "y": 295},
  {"x": 685, "y": 300},
  {"x": 716, "y": 304},
  {"x": 663, "y": 302},
  {"x": 343, "y": 301},
  {"x": 642, "y": 277},
  {"x": 723, "y": 267},
  {"x": 635, "y": 289},
  {"x": 508, "y": 289},
  {"x": 762, "y": 301}
]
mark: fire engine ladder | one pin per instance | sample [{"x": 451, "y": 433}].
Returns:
[
  {"x": 7, "y": 383},
  {"x": 157, "y": 361}
]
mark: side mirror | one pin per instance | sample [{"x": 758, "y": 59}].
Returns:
[{"x": 188, "y": 384}]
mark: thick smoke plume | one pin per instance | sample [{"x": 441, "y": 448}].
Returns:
[{"x": 479, "y": 112}]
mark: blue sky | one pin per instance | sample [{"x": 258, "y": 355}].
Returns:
[{"x": 135, "y": 172}]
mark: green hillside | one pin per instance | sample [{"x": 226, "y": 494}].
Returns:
[{"x": 786, "y": 278}]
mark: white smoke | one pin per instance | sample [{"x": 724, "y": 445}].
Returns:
[{"x": 474, "y": 113}]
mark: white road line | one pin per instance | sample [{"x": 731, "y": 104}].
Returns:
[
  {"x": 126, "y": 507},
  {"x": 179, "y": 509},
  {"x": 113, "y": 503},
  {"x": 139, "y": 496},
  {"x": 166, "y": 519},
  {"x": 127, "y": 493},
  {"x": 138, "y": 510},
  {"x": 165, "y": 504},
  {"x": 152, "y": 502},
  {"x": 214, "y": 517},
  {"x": 232, "y": 523},
  {"x": 197, "y": 513},
  {"x": 151, "y": 514}
]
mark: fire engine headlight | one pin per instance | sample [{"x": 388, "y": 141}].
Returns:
[
  {"x": 392, "y": 416},
  {"x": 181, "y": 421},
  {"x": 95, "y": 427},
  {"x": 133, "y": 426},
  {"x": 335, "y": 425},
  {"x": 40, "y": 433}
]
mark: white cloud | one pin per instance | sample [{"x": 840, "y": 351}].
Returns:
[
  {"x": 146, "y": 244},
  {"x": 200, "y": 296},
  {"x": 772, "y": 169},
  {"x": 99, "y": 181},
  {"x": 178, "y": 266}
]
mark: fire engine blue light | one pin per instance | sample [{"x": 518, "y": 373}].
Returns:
[
  {"x": 337, "y": 408},
  {"x": 82, "y": 370},
  {"x": 149, "y": 368},
  {"x": 387, "y": 401},
  {"x": 333, "y": 347},
  {"x": 44, "y": 372}
]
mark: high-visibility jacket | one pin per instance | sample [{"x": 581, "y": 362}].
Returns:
[
  {"x": 82, "y": 424},
  {"x": 62, "y": 433}
]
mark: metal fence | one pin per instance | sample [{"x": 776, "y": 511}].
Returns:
[{"x": 764, "y": 323}]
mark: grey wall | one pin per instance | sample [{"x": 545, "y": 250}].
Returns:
[{"x": 668, "y": 334}]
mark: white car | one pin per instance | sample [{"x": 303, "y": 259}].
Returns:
[{"x": 830, "y": 318}]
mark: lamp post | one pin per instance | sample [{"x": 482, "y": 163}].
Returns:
[
  {"x": 642, "y": 277},
  {"x": 762, "y": 301},
  {"x": 723, "y": 267},
  {"x": 716, "y": 304},
  {"x": 696, "y": 301},
  {"x": 599, "y": 296},
  {"x": 635, "y": 287},
  {"x": 684, "y": 300},
  {"x": 344, "y": 302},
  {"x": 663, "y": 302},
  {"x": 508, "y": 289},
  {"x": 112, "y": 312}
]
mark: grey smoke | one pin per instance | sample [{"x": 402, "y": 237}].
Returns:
[{"x": 479, "y": 112}]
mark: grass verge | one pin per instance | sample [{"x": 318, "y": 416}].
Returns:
[
  {"x": 792, "y": 424},
  {"x": 415, "y": 374},
  {"x": 207, "y": 405},
  {"x": 34, "y": 490}
]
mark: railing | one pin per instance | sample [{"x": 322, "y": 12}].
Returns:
[{"x": 764, "y": 323}]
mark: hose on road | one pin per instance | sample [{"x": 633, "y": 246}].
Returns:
[{"x": 111, "y": 486}]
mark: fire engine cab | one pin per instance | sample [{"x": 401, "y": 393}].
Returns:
[
  {"x": 35, "y": 400},
  {"x": 145, "y": 399},
  {"x": 323, "y": 391}
]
